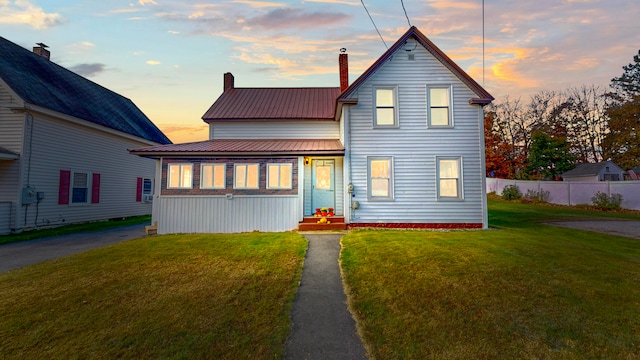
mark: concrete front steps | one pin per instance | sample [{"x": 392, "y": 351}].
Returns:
[{"x": 311, "y": 224}]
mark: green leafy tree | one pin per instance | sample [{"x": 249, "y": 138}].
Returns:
[
  {"x": 622, "y": 143},
  {"x": 549, "y": 157}
]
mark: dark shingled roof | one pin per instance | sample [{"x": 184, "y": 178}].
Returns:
[
  {"x": 41, "y": 82},
  {"x": 587, "y": 169},
  {"x": 233, "y": 147},
  {"x": 274, "y": 104}
]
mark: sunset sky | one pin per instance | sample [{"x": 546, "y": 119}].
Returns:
[{"x": 169, "y": 57}]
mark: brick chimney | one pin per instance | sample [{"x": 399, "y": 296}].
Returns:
[
  {"x": 41, "y": 50},
  {"x": 228, "y": 81},
  {"x": 343, "y": 62}
]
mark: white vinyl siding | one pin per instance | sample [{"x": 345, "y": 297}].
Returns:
[
  {"x": 386, "y": 109},
  {"x": 414, "y": 146},
  {"x": 218, "y": 214},
  {"x": 246, "y": 176},
  {"x": 328, "y": 129},
  {"x": 380, "y": 174},
  {"x": 180, "y": 176},
  {"x": 449, "y": 180},
  {"x": 11, "y": 138},
  {"x": 279, "y": 176},
  {"x": 52, "y": 150},
  {"x": 440, "y": 113},
  {"x": 213, "y": 176}
]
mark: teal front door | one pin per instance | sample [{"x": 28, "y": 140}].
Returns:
[{"x": 322, "y": 188}]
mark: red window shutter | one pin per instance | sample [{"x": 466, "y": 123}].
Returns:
[
  {"x": 63, "y": 187},
  {"x": 139, "y": 190},
  {"x": 95, "y": 189}
]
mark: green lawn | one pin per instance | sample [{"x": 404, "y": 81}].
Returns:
[
  {"x": 159, "y": 297},
  {"x": 523, "y": 290}
]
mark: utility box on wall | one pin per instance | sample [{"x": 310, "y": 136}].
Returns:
[{"x": 29, "y": 195}]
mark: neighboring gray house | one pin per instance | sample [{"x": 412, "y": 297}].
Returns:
[
  {"x": 602, "y": 171},
  {"x": 402, "y": 146},
  {"x": 64, "y": 144}
]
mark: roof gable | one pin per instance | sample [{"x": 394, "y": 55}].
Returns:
[
  {"x": 43, "y": 83},
  {"x": 589, "y": 169},
  {"x": 238, "y": 104},
  {"x": 483, "y": 97}
]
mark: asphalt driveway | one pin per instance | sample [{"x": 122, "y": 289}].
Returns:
[
  {"x": 24, "y": 253},
  {"x": 628, "y": 228}
]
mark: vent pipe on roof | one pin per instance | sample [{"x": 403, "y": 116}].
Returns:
[
  {"x": 41, "y": 50},
  {"x": 343, "y": 62},
  {"x": 228, "y": 81}
]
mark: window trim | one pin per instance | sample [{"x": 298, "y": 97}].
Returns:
[
  {"x": 460, "y": 187},
  {"x": 89, "y": 187},
  {"x": 371, "y": 197},
  {"x": 449, "y": 89},
  {"x": 396, "y": 122},
  {"x": 213, "y": 182},
  {"x": 235, "y": 176},
  {"x": 280, "y": 166},
  {"x": 180, "y": 174}
]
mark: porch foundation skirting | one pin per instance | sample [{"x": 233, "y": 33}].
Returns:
[{"x": 416, "y": 225}]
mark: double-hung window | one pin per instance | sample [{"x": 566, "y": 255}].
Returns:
[
  {"x": 439, "y": 106},
  {"x": 180, "y": 176},
  {"x": 449, "y": 178},
  {"x": 213, "y": 176},
  {"x": 386, "y": 103},
  {"x": 279, "y": 176},
  {"x": 246, "y": 176},
  {"x": 80, "y": 188},
  {"x": 380, "y": 170}
]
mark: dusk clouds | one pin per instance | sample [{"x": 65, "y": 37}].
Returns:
[{"x": 169, "y": 56}]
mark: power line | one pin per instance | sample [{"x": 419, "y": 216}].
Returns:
[
  {"x": 405, "y": 12},
  {"x": 374, "y": 24}
]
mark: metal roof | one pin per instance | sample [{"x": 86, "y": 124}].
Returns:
[
  {"x": 41, "y": 82},
  {"x": 249, "y": 104},
  {"x": 235, "y": 147},
  {"x": 483, "y": 97}
]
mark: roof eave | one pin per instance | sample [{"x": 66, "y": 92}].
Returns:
[
  {"x": 176, "y": 154},
  {"x": 434, "y": 50}
]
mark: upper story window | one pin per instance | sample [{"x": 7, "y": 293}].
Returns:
[
  {"x": 449, "y": 178},
  {"x": 279, "y": 176},
  {"x": 246, "y": 176},
  {"x": 213, "y": 176},
  {"x": 180, "y": 176},
  {"x": 386, "y": 111},
  {"x": 439, "y": 106},
  {"x": 380, "y": 186}
]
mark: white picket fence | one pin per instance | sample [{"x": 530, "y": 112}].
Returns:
[{"x": 574, "y": 192}]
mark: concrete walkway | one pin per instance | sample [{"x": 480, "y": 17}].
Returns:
[
  {"x": 24, "y": 253},
  {"x": 322, "y": 326}
]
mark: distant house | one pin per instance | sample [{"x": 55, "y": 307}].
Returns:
[
  {"x": 602, "y": 171},
  {"x": 402, "y": 146},
  {"x": 64, "y": 144}
]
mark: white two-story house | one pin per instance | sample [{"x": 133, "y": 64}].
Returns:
[{"x": 400, "y": 147}]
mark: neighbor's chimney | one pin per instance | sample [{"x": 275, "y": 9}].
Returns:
[
  {"x": 41, "y": 50},
  {"x": 343, "y": 61},
  {"x": 228, "y": 81}
]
